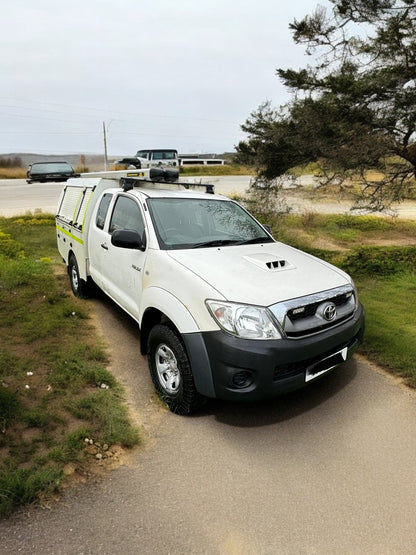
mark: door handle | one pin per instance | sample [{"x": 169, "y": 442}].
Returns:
[{"x": 104, "y": 246}]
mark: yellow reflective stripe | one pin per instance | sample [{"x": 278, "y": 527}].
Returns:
[{"x": 65, "y": 232}]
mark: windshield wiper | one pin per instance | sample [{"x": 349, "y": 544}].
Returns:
[
  {"x": 255, "y": 240},
  {"x": 223, "y": 242},
  {"x": 215, "y": 243}
]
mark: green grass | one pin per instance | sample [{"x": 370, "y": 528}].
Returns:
[
  {"x": 55, "y": 389},
  {"x": 390, "y": 337},
  {"x": 21, "y": 486}
]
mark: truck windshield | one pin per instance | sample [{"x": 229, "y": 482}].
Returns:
[
  {"x": 51, "y": 167},
  {"x": 157, "y": 154},
  {"x": 199, "y": 223}
]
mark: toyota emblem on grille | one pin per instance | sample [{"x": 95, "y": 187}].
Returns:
[{"x": 329, "y": 312}]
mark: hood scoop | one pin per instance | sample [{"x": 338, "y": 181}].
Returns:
[{"x": 269, "y": 262}]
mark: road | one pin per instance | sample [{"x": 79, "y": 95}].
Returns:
[
  {"x": 18, "y": 197},
  {"x": 326, "y": 470}
]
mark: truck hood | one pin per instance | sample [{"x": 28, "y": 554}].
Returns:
[{"x": 260, "y": 274}]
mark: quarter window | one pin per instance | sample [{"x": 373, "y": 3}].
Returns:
[{"x": 102, "y": 210}]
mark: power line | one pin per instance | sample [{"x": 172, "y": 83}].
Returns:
[{"x": 106, "y": 111}]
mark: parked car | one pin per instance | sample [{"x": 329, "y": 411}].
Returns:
[{"x": 49, "y": 171}]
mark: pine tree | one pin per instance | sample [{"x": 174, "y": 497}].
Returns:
[{"x": 354, "y": 108}]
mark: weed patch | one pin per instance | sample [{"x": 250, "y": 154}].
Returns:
[
  {"x": 21, "y": 486},
  {"x": 110, "y": 417}
]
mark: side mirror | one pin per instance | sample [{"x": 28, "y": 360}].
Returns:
[{"x": 128, "y": 239}]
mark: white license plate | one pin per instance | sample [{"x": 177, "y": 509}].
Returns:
[{"x": 326, "y": 364}]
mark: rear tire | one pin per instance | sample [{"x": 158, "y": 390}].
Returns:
[
  {"x": 171, "y": 372},
  {"x": 80, "y": 287}
]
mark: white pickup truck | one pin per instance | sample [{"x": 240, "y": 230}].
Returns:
[{"x": 224, "y": 310}]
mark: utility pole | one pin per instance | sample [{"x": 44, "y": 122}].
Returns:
[{"x": 105, "y": 147}]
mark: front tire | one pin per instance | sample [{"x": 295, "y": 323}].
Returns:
[
  {"x": 171, "y": 372},
  {"x": 80, "y": 287}
]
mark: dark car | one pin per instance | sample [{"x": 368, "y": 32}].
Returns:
[{"x": 49, "y": 171}]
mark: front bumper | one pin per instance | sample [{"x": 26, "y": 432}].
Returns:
[{"x": 232, "y": 368}]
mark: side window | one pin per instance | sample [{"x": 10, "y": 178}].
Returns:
[
  {"x": 126, "y": 215},
  {"x": 102, "y": 210}
]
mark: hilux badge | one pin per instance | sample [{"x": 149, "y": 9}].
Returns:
[{"x": 329, "y": 312}]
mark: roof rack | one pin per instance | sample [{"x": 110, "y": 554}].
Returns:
[{"x": 156, "y": 176}]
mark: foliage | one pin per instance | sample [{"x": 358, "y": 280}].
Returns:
[
  {"x": 9, "y": 247},
  {"x": 264, "y": 200},
  {"x": 10, "y": 162},
  {"x": 352, "y": 109},
  {"x": 380, "y": 261}
]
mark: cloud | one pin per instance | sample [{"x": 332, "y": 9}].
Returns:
[{"x": 180, "y": 74}]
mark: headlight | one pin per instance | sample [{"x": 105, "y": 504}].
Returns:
[
  {"x": 247, "y": 321},
  {"x": 355, "y": 293}
]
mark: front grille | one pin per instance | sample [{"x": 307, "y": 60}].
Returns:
[
  {"x": 307, "y": 315},
  {"x": 316, "y": 329},
  {"x": 306, "y": 311}
]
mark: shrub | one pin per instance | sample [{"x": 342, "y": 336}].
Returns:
[
  {"x": 11, "y": 162},
  {"x": 9, "y": 247},
  {"x": 380, "y": 261}
]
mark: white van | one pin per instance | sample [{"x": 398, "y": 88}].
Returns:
[{"x": 224, "y": 310}]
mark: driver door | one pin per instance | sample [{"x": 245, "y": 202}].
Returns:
[{"x": 123, "y": 268}]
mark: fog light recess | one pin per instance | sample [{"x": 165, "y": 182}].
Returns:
[{"x": 242, "y": 379}]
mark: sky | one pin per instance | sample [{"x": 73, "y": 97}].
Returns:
[{"x": 153, "y": 73}]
